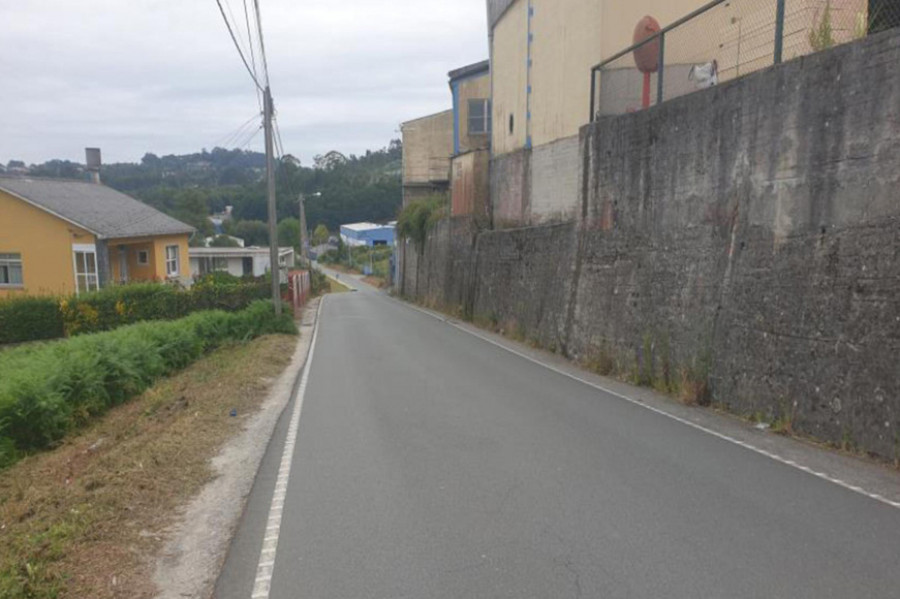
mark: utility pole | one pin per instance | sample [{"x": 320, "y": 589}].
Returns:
[
  {"x": 304, "y": 241},
  {"x": 274, "y": 267}
]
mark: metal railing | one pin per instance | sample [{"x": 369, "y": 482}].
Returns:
[{"x": 727, "y": 39}]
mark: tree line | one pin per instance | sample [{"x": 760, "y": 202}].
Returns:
[{"x": 192, "y": 187}]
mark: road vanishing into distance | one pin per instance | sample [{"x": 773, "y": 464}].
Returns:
[{"x": 430, "y": 463}]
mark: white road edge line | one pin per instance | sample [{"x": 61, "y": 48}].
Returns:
[
  {"x": 700, "y": 427},
  {"x": 266, "y": 565}
]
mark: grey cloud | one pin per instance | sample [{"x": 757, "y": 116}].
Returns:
[{"x": 162, "y": 75}]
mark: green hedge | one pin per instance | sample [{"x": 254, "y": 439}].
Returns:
[
  {"x": 49, "y": 389},
  {"x": 34, "y": 318},
  {"x": 113, "y": 307},
  {"x": 29, "y": 319}
]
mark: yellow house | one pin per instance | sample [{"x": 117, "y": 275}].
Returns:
[{"x": 63, "y": 237}]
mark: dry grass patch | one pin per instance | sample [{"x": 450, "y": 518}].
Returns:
[
  {"x": 376, "y": 282},
  {"x": 85, "y": 519}
]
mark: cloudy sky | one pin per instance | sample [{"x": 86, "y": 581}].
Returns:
[{"x": 162, "y": 76}]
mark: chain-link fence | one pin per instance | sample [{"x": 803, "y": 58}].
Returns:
[{"x": 724, "y": 40}]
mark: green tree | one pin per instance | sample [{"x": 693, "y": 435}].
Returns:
[
  {"x": 320, "y": 235},
  {"x": 253, "y": 232},
  {"x": 289, "y": 233}
]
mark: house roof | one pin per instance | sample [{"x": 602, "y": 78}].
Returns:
[
  {"x": 101, "y": 210},
  {"x": 198, "y": 252},
  {"x": 361, "y": 227},
  {"x": 470, "y": 70}
]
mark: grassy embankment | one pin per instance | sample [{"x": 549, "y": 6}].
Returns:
[{"x": 127, "y": 445}]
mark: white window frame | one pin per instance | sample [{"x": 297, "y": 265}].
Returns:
[
  {"x": 91, "y": 280},
  {"x": 8, "y": 263},
  {"x": 143, "y": 257},
  {"x": 484, "y": 119},
  {"x": 174, "y": 263}
]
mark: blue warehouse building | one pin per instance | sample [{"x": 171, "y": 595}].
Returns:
[{"x": 370, "y": 234}]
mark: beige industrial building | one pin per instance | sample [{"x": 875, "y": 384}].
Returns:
[
  {"x": 542, "y": 52},
  {"x": 427, "y": 148}
]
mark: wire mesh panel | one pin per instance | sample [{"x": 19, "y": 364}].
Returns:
[{"x": 729, "y": 39}]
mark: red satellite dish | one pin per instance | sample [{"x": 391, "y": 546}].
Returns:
[{"x": 647, "y": 56}]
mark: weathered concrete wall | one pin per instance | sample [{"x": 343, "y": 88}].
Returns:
[
  {"x": 555, "y": 181},
  {"x": 536, "y": 186},
  {"x": 756, "y": 228},
  {"x": 523, "y": 281},
  {"x": 747, "y": 236},
  {"x": 510, "y": 189}
]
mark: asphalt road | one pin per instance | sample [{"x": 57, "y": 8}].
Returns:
[{"x": 431, "y": 464}]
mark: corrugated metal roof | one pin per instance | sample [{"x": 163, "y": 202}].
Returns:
[
  {"x": 104, "y": 211},
  {"x": 360, "y": 227},
  {"x": 469, "y": 70}
]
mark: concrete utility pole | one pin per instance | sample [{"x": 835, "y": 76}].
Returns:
[
  {"x": 304, "y": 240},
  {"x": 274, "y": 268}
]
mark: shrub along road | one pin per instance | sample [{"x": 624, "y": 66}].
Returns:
[{"x": 429, "y": 463}]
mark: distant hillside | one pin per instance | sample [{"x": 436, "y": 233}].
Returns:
[{"x": 193, "y": 186}]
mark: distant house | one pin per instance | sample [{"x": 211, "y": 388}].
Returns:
[
  {"x": 61, "y": 237},
  {"x": 239, "y": 261},
  {"x": 359, "y": 234}
]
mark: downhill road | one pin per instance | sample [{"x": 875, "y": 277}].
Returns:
[{"x": 431, "y": 464}]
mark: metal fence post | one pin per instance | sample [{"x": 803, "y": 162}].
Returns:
[
  {"x": 779, "y": 31},
  {"x": 661, "y": 69},
  {"x": 593, "y": 93}
]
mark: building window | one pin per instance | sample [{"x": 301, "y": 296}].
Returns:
[
  {"x": 11, "y": 270},
  {"x": 171, "y": 260},
  {"x": 479, "y": 117},
  {"x": 210, "y": 264},
  {"x": 143, "y": 257},
  {"x": 86, "y": 277}
]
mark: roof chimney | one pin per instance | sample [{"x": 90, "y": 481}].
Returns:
[{"x": 92, "y": 157}]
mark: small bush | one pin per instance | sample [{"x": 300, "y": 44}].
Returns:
[
  {"x": 419, "y": 217},
  {"x": 318, "y": 282},
  {"x": 47, "y": 390},
  {"x": 29, "y": 319}
]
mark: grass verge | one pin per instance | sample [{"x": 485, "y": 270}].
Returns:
[
  {"x": 85, "y": 519},
  {"x": 335, "y": 286}
]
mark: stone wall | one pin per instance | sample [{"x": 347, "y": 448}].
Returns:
[{"x": 746, "y": 236}]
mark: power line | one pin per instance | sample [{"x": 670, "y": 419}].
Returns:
[
  {"x": 252, "y": 52},
  {"x": 238, "y": 46},
  {"x": 262, "y": 45},
  {"x": 234, "y": 20},
  {"x": 230, "y": 138},
  {"x": 250, "y": 139}
]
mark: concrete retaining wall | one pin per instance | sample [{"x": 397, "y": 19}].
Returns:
[{"x": 747, "y": 235}]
